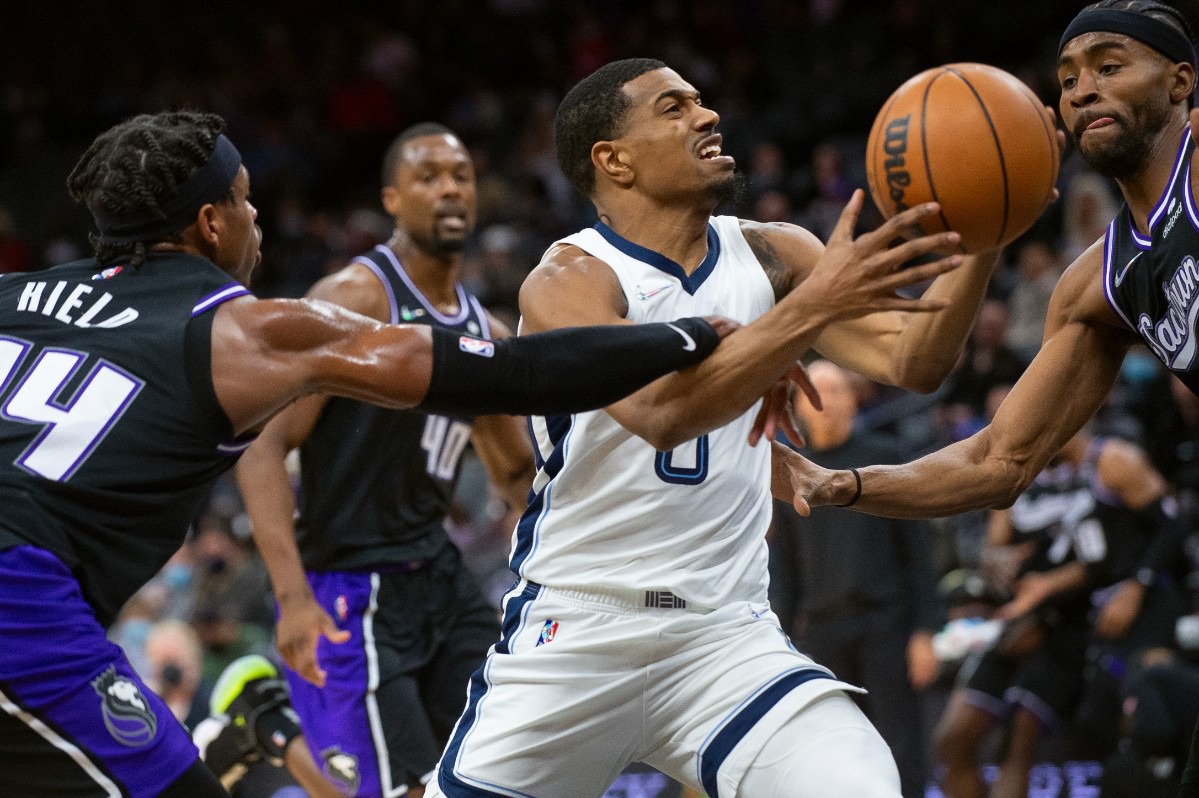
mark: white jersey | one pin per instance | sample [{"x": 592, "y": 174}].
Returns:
[{"x": 608, "y": 510}]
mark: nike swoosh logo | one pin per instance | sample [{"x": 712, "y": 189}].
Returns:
[
  {"x": 1120, "y": 276},
  {"x": 690, "y": 345},
  {"x": 653, "y": 292}
]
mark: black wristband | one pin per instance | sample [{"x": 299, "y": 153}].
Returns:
[
  {"x": 561, "y": 371},
  {"x": 857, "y": 493}
]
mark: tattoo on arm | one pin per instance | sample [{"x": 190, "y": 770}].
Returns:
[{"x": 776, "y": 270}]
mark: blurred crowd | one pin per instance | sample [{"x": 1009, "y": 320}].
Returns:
[{"x": 314, "y": 90}]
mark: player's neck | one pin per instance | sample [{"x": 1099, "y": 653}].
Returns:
[
  {"x": 680, "y": 234},
  {"x": 435, "y": 275},
  {"x": 1143, "y": 190}
]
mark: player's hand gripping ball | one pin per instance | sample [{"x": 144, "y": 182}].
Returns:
[{"x": 972, "y": 138}]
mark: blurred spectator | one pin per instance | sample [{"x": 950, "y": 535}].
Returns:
[
  {"x": 14, "y": 250},
  {"x": 986, "y": 363},
  {"x": 1089, "y": 207},
  {"x": 1038, "y": 270},
  {"x": 1159, "y": 711},
  {"x": 857, "y": 591},
  {"x": 773, "y": 206},
  {"x": 832, "y": 189},
  {"x": 232, "y": 613},
  {"x": 1090, "y": 546},
  {"x": 174, "y": 669}
]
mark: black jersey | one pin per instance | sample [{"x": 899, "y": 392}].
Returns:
[
  {"x": 376, "y": 484},
  {"x": 1153, "y": 283},
  {"x": 1071, "y": 515},
  {"x": 110, "y": 430}
]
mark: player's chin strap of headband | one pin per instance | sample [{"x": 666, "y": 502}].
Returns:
[
  {"x": 209, "y": 183},
  {"x": 1161, "y": 36}
]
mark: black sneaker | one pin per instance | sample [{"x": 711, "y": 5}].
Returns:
[{"x": 251, "y": 719}]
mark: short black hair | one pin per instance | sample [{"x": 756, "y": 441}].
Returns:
[
  {"x": 1160, "y": 11},
  {"x": 395, "y": 151},
  {"x": 131, "y": 167},
  {"x": 594, "y": 110}
]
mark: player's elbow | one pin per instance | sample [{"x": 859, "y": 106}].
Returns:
[
  {"x": 663, "y": 440},
  {"x": 1010, "y": 480},
  {"x": 920, "y": 374},
  {"x": 667, "y": 431}
]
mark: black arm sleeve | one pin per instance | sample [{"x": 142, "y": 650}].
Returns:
[{"x": 561, "y": 371}]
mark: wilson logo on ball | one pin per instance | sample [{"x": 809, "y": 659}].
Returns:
[
  {"x": 895, "y": 145},
  {"x": 973, "y": 139}
]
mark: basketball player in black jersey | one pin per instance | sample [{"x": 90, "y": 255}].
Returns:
[
  {"x": 1127, "y": 74},
  {"x": 1090, "y": 552},
  {"x": 375, "y": 489},
  {"x": 131, "y": 380}
]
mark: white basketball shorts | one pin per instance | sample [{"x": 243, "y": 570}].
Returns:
[{"x": 582, "y": 683}]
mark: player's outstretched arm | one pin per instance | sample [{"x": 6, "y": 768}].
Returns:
[
  {"x": 856, "y": 276},
  {"x": 1062, "y": 388},
  {"x": 267, "y": 491},
  {"x": 911, "y": 350},
  {"x": 918, "y": 351},
  {"x": 266, "y": 353}
]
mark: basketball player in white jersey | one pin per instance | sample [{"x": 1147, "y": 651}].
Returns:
[{"x": 639, "y": 629}]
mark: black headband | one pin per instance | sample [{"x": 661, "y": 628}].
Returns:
[
  {"x": 1161, "y": 36},
  {"x": 210, "y": 183}
]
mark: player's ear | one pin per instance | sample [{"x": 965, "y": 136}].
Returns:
[
  {"x": 391, "y": 200},
  {"x": 1183, "y": 81},
  {"x": 208, "y": 225},
  {"x": 611, "y": 160}
]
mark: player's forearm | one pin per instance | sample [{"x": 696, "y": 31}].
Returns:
[
  {"x": 748, "y": 362},
  {"x": 953, "y": 480},
  {"x": 929, "y": 344},
  {"x": 566, "y": 370},
  {"x": 1065, "y": 578},
  {"x": 270, "y": 503}
]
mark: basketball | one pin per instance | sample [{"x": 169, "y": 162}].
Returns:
[{"x": 972, "y": 138}]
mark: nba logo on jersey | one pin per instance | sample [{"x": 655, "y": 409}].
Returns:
[
  {"x": 342, "y": 607},
  {"x": 112, "y": 271},
  {"x": 547, "y": 633},
  {"x": 474, "y": 346}
]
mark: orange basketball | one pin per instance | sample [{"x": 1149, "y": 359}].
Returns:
[{"x": 974, "y": 139}]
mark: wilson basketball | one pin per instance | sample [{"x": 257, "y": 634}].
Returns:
[{"x": 973, "y": 138}]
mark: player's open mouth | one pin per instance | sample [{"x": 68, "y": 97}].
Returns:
[
  {"x": 451, "y": 222},
  {"x": 711, "y": 151}
]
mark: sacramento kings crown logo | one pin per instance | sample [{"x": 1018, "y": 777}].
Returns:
[
  {"x": 127, "y": 714},
  {"x": 342, "y": 769}
]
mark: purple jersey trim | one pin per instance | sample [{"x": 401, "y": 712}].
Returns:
[
  {"x": 223, "y": 294},
  {"x": 1192, "y": 212},
  {"x": 484, "y": 320},
  {"x": 391, "y": 296},
  {"x": 463, "y": 305},
  {"x": 1159, "y": 210}
]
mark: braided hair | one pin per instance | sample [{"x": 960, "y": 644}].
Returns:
[
  {"x": 1150, "y": 8},
  {"x": 133, "y": 166}
]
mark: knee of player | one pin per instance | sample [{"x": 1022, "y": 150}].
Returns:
[{"x": 951, "y": 743}]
